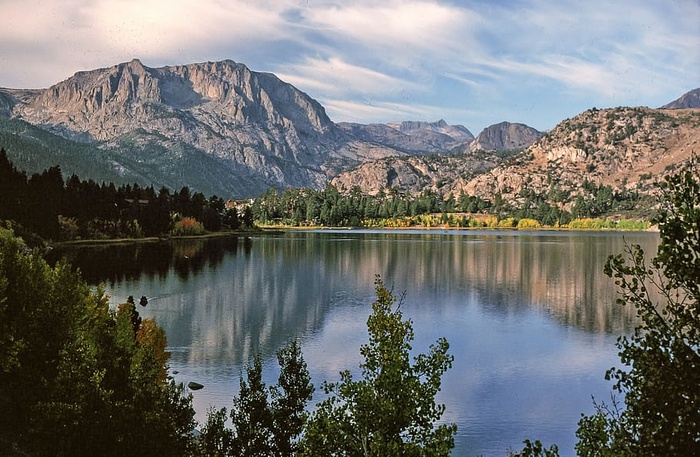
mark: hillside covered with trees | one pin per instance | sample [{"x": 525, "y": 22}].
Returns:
[
  {"x": 45, "y": 205},
  {"x": 599, "y": 207}
]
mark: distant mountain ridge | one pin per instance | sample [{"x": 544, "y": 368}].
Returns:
[
  {"x": 262, "y": 131},
  {"x": 412, "y": 137},
  {"x": 223, "y": 129},
  {"x": 458, "y": 133}
]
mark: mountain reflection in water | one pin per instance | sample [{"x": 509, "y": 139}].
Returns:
[{"x": 530, "y": 317}]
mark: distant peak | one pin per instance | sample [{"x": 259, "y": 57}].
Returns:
[
  {"x": 134, "y": 63},
  {"x": 690, "y": 99}
]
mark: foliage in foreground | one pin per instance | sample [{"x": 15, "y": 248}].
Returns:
[
  {"x": 536, "y": 449},
  {"x": 76, "y": 377},
  {"x": 661, "y": 384},
  {"x": 265, "y": 421},
  {"x": 391, "y": 411}
]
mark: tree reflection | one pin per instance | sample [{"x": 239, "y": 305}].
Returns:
[{"x": 115, "y": 263}]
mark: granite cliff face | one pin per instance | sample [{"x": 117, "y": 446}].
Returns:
[
  {"x": 262, "y": 131},
  {"x": 625, "y": 148},
  {"x": 412, "y": 137},
  {"x": 688, "y": 100},
  {"x": 505, "y": 136}
]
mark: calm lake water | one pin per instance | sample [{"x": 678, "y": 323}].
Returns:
[{"x": 530, "y": 317}]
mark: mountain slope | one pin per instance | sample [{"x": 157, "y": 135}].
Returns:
[
  {"x": 261, "y": 131},
  {"x": 413, "y": 174},
  {"x": 688, "y": 100},
  {"x": 412, "y": 137},
  {"x": 223, "y": 129},
  {"x": 624, "y": 148}
]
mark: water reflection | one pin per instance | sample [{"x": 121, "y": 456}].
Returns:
[
  {"x": 246, "y": 296},
  {"x": 114, "y": 263},
  {"x": 530, "y": 317}
]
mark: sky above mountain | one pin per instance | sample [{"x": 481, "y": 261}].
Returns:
[{"x": 474, "y": 63}]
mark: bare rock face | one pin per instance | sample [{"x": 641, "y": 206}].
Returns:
[
  {"x": 265, "y": 132},
  {"x": 414, "y": 174},
  {"x": 688, "y": 100},
  {"x": 412, "y": 137},
  {"x": 505, "y": 136},
  {"x": 624, "y": 148}
]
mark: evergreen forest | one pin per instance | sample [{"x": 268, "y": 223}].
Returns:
[{"x": 46, "y": 206}]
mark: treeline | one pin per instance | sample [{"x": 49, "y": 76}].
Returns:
[
  {"x": 335, "y": 207},
  {"x": 45, "y": 205}
]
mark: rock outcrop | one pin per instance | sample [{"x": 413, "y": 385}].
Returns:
[
  {"x": 505, "y": 136},
  {"x": 625, "y": 148},
  {"x": 688, "y": 100}
]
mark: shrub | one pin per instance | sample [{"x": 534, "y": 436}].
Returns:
[
  {"x": 528, "y": 223},
  {"x": 188, "y": 226}
]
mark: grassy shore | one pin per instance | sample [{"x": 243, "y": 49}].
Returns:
[{"x": 481, "y": 222}]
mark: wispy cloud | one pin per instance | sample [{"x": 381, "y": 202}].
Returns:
[
  {"x": 475, "y": 60},
  {"x": 333, "y": 77},
  {"x": 371, "y": 111},
  {"x": 398, "y": 28}
]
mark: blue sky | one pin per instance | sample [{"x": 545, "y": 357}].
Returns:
[{"x": 473, "y": 63}]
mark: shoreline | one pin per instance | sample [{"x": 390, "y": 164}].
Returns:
[
  {"x": 279, "y": 229},
  {"x": 157, "y": 239},
  {"x": 652, "y": 229}
]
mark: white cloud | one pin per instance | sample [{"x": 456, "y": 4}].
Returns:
[
  {"x": 334, "y": 76},
  {"x": 164, "y": 27},
  {"x": 390, "y": 58},
  {"x": 395, "y": 24},
  {"x": 412, "y": 37},
  {"x": 86, "y": 34},
  {"x": 369, "y": 111}
]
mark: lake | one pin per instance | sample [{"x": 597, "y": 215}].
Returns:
[{"x": 530, "y": 317}]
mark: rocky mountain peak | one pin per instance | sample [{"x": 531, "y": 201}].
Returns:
[
  {"x": 264, "y": 132},
  {"x": 690, "y": 99},
  {"x": 505, "y": 136}
]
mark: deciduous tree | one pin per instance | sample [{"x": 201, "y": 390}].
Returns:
[
  {"x": 661, "y": 378},
  {"x": 391, "y": 411}
]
